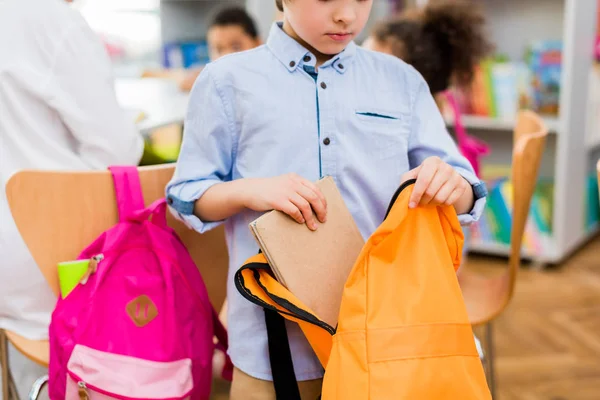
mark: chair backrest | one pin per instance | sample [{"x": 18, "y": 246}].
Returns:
[
  {"x": 528, "y": 147},
  {"x": 59, "y": 213}
]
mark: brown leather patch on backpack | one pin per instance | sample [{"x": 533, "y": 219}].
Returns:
[{"x": 142, "y": 310}]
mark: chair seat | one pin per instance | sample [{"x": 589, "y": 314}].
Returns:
[
  {"x": 485, "y": 297},
  {"x": 37, "y": 351}
]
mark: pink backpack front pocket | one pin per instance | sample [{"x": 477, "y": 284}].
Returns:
[{"x": 96, "y": 375}]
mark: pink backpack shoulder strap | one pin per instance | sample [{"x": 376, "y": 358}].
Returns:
[
  {"x": 459, "y": 128},
  {"x": 128, "y": 190},
  {"x": 469, "y": 146}
]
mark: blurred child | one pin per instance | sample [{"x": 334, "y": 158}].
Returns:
[
  {"x": 264, "y": 125},
  {"x": 232, "y": 30},
  {"x": 444, "y": 41}
]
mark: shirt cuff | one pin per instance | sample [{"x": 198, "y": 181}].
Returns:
[
  {"x": 181, "y": 198},
  {"x": 479, "y": 194}
]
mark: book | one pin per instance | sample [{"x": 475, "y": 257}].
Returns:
[
  {"x": 545, "y": 61},
  {"x": 313, "y": 265}
]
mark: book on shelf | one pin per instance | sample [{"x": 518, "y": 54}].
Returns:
[
  {"x": 501, "y": 87},
  {"x": 494, "y": 226}
]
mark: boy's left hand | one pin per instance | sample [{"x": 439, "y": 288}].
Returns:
[{"x": 438, "y": 183}]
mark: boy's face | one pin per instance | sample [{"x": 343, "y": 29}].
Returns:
[
  {"x": 227, "y": 39},
  {"x": 327, "y": 25}
]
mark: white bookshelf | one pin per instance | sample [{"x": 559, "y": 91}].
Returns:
[
  {"x": 570, "y": 149},
  {"x": 497, "y": 124},
  {"x": 188, "y": 19},
  {"x": 593, "y": 111}
]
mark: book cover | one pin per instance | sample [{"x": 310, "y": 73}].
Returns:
[
  {"x": 313, "y": 265},
  {"x": 546, "y": 66}
]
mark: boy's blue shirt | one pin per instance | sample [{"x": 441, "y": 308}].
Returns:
[{"x": 363, "y": 118}]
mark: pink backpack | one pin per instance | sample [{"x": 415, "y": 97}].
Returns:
[
  {"x": 142, "y": 326},
  {"x": 471, "y": 148}
]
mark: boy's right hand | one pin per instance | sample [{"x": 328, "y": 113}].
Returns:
[{"x": 291, "y": 194}]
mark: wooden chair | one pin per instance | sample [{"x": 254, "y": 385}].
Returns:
[
  {"x": 486, "y": 297},
  {"x": 59, "y": 213}
]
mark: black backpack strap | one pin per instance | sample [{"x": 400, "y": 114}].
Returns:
[
  {"x": 280, "y": 355},
  {"x": 397, "y": 194}
]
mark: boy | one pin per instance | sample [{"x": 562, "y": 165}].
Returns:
[
  {"x": 232, "y": 30},
  {"x": 263, "y": 125}
]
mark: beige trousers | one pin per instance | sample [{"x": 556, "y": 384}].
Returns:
[{"x": 245, "y": 387}]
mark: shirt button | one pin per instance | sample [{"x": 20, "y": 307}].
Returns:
[
  {"x": 341, "y": 66},
  {"x": 169, "y": 200},
  {"x": 323, "y": 85},
  {"x": 326, "y": 141},
  {"x": 292, "y": 64},
  {"x": 306, "y": 58}
]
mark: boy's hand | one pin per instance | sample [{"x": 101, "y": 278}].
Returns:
[
  {"x": 439, "y": 183},
  {"x": 291, "y": 194}
]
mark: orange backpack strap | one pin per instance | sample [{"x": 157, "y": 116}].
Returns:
[{"x": 255, "y": 281}]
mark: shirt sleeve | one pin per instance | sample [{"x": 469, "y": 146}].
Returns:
[
  {"x": 429, "y": 137},
  {"x": 207, "y": 151},
  {"x": 81, "y": 90}
]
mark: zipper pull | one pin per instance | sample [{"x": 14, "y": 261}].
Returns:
[
  {"x": 92, "y": 268},
  {"x": 83, "y": 392}
]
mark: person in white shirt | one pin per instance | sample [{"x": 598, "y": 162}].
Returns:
[{"x": 58, "y": 111}]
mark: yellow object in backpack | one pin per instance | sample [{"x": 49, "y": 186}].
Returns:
[{"x": 403, "y": 330}]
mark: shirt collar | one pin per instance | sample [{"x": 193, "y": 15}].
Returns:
[{"x": 292, "y": 54}]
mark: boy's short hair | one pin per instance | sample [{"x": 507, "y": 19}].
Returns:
[
  {"x": 279, "y": 4},
  {"x": 236, "y": 16}
]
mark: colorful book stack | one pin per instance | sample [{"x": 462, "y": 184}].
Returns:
[
  {"x": 188, "y": 54},
  {"x": 495, "y": 224},
  {"x": 501, "y": 87}
]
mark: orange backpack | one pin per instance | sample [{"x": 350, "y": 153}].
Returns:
[{"x": 403, "y": 330}]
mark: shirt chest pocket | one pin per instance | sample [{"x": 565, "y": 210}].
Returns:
[{"x": 386, "y": 131}]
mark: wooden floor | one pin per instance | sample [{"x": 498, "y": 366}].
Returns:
[{"x": 548, "y": 340}]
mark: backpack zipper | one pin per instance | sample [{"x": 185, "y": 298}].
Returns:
[
  {"x": 99, "y": 257},
  {"x": 83, "y": 392},
  {"x": 92, "y": 267}
]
